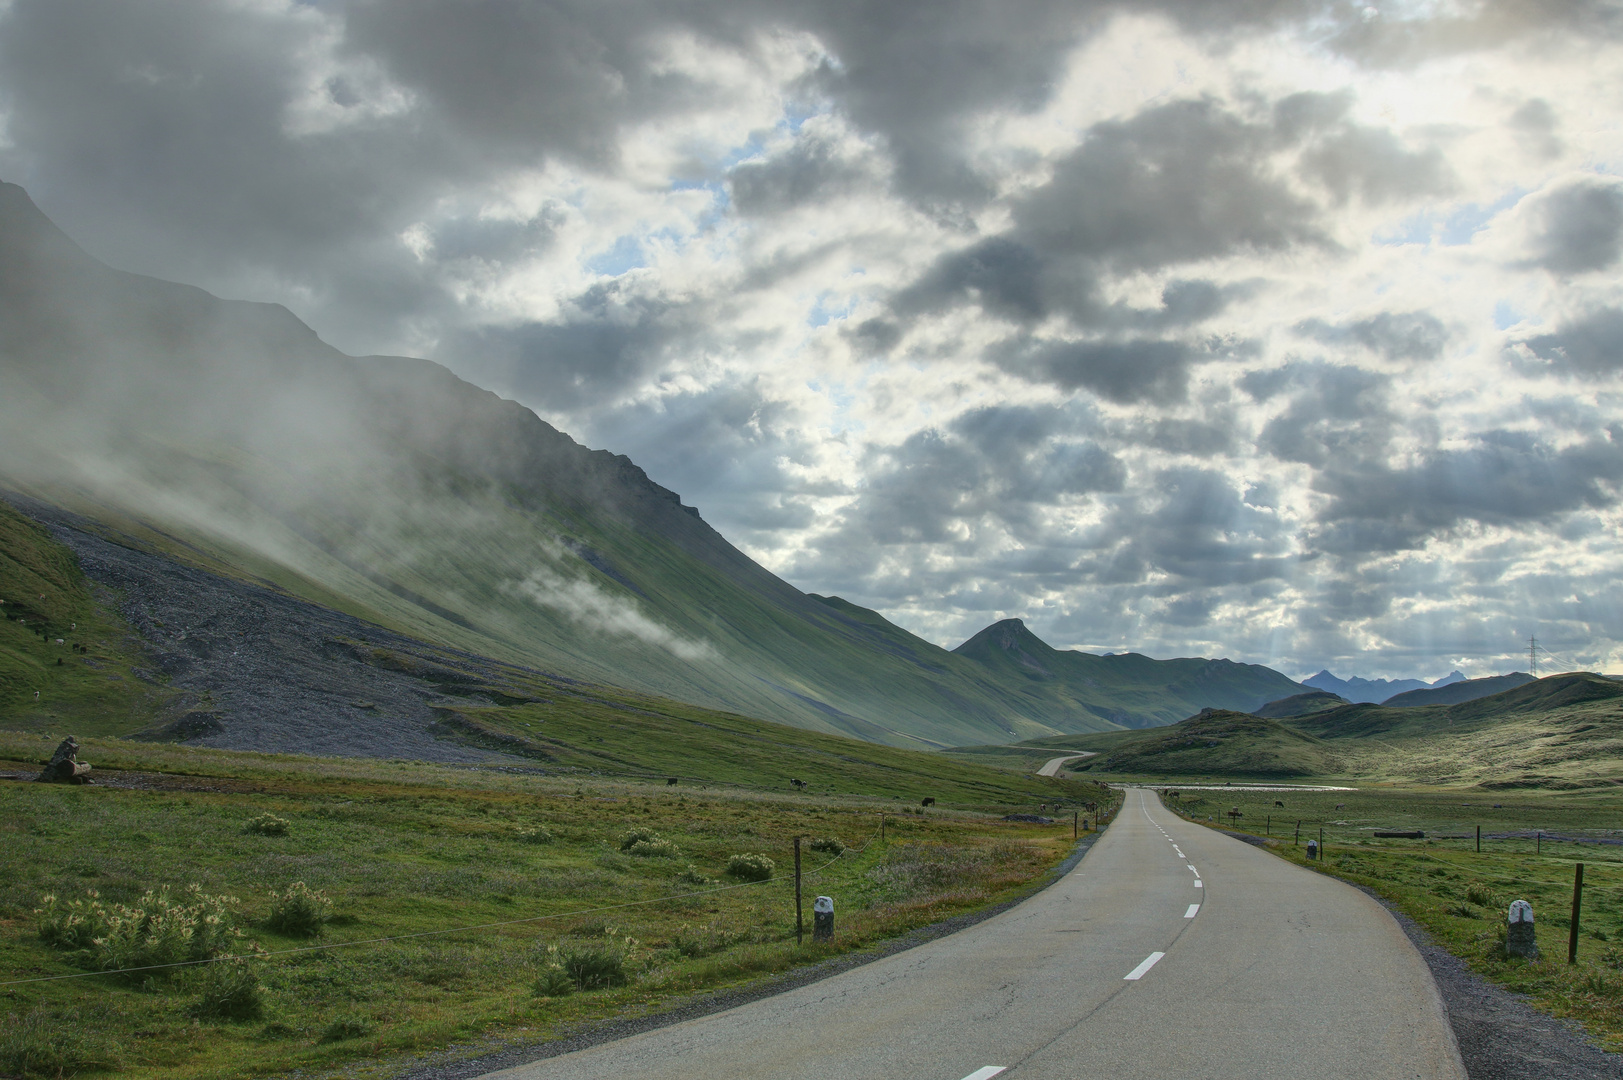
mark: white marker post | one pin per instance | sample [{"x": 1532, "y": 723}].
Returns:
[{"x": 823, "y": 918}]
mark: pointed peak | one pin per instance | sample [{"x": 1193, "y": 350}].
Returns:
[{"x": 1005, "y": 635}]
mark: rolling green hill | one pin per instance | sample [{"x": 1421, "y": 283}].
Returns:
[
  {"x": 225, "y": 435},
  {"x": 1559, "y": 732}
]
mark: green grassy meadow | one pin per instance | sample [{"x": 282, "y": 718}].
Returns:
[
  {"x": 402, "y": 849},
  {"x": 1459, "y": 895},
  {"x": 91, "y": 680}
]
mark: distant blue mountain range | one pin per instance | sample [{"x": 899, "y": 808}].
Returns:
[{"x": 1377, "y": 690}]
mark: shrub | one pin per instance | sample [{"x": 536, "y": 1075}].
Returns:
[
  {"x": 156, "y": 930},
  {"x": 1478, "y": 893},
  {"x": 690, "y": 876},
  {"x": 751, "y": 867},
  {"x": 37, "y": 1044},
  {"x": 553, "y": 981},
  {"x": 639, "y": 836},
  {"x": 230, "y": 991},
  {"x": 828, "y": 844},
  {"x": 534, "y": 835},
  {"x": 1464, "y": 911},
  {"x": 299, "y": 912},
  {"x": 594, "y": 967},
  {"x": 266, "y": 825},
  {"x": 654, "y": 849}
]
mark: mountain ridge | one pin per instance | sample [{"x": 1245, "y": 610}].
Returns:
[{"x": 226, "y": 434}]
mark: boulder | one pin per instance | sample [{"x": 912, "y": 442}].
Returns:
[{"x": 65, "y": 767}]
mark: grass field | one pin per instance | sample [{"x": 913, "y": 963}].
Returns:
[
  {"x": 403, "y": 849},
  {"x": 1530, "y": 843},
  {"x": 94, "y": 678}
]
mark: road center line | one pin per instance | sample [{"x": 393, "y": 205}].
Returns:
[
  {"x": 986, "y": 1072},
  {"x": 1190, "y": 914},
  {"x": 1191, "y": 867},
  {"x": 1138, "y": 972},
  {"x": 1199, "y": 884}
]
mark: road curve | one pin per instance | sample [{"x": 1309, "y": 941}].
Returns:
[
  {"x": 1171, "y": 951},
  {"x": 1052, "y": 766}
]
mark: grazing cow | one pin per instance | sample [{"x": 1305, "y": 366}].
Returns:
[
  {"x": 670, "y": 781},
  {"x": 929, "y": 800},
  {"x": 1279, "y": 804},
  {"x": 799, "y": 785},
  {"x": 1341, "y": 806}
]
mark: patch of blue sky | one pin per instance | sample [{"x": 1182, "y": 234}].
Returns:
[
  {"x": 1506, "y": 315},
  {"x": 626, "y": 254},
  {"x": 1463, "y": 224},
  {"x": 822, "y": 312},
  {"x": 1457, "y": 228}
]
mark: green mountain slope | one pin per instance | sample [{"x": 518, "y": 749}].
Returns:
[
  {"x": 1127, "y": 689},
  {"x": 90, "y": 684},
  {"x": 1455, "y": 693},
  {"x": 227, "y": 436}
]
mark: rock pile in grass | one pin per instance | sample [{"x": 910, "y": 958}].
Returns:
[{"x": 65, "y": 766}]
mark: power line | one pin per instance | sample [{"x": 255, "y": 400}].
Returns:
[{"x": 1532, "y": 654}]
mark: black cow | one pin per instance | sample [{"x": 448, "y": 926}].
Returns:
[
  {"x": 670, "y": 781},
  {"x": 929, "y": 800},
  {"x": 1278, "y": 803}
]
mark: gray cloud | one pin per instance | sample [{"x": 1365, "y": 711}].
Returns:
[
  {"x": 1580, "y": 227},
  {"x": 810, "y": 171},
  {"x": 1120, "y": 371},
  {"x": 1507, "y": 478},
  {"x": 1590, "y": 348},
  {"x": 1395, "y": 335},
  {"x": 614, "y": 337},
  {"x": 1334, "y": 412},
  {"x": 1536, "y": 127},
  {"x": 994, "y": 467}
]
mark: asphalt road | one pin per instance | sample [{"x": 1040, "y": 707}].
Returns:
[
  {"x": 1051, "y": 767},
  {"x": 1171, "y": 951}
]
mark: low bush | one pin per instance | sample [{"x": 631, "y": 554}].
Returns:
[
  {"x": 38, "y": 1044},
  {"x": 1478, "y": 893},
  {"x": 535, "y": 834},
  {"x": 230, "y": 991},
  {"x": 751, "y": 867},
  {"x": 639, "y": 836},
  {"x": 156, "y": 930},
  {"x": 594, "y": 967},
  {"x": 654, "y": 849},
  {"x": 300, "y": 911},
  {"x": 828, "y": 844},
  {"x": 266, "y": 825},
  {"x": 553, "y": 981},
  {"x": 693, "y": 942},
  {"x": 692, "y": 877}
]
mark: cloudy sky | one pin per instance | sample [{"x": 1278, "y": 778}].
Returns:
[{"x": 1270, "y": 329}]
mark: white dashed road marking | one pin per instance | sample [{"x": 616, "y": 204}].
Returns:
[
  {"x": 1139, "y": 972},
  {"x": 1190, "y": 914},
  {"x": 1199, "y": 884},
  {"x": 986, "y": 1073}
]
